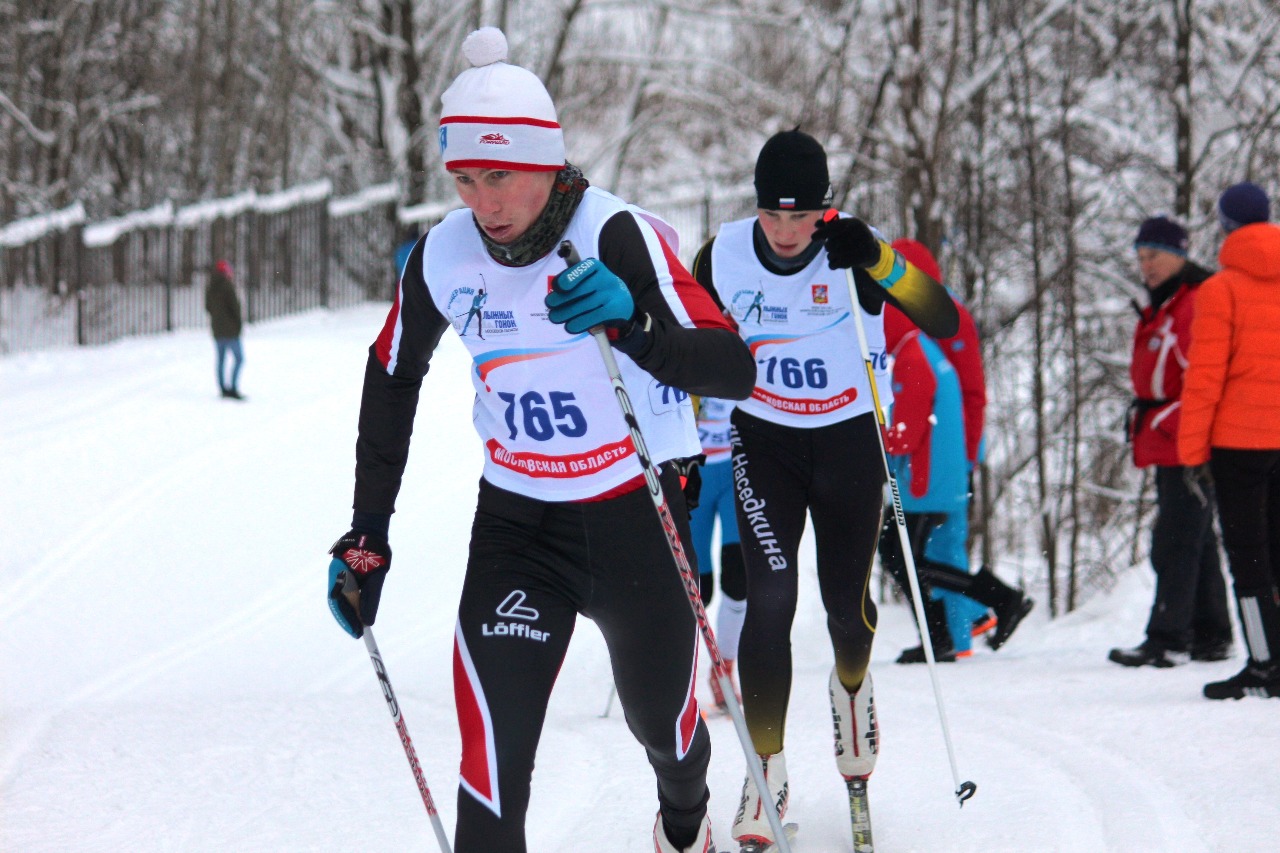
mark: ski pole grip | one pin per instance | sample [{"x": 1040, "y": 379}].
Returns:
[{"x": 569, "y": 253}]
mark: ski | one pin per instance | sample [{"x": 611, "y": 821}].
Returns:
[
  {"x": 860, "y": 815},
  {"x": 768, "y": 846}
]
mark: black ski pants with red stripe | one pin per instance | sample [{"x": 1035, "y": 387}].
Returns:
[
  {"x": 533, "y": 566},
  {"x": 833, "y": 475}
]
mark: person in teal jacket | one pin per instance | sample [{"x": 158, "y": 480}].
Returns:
[{"x": 926, "y": 443}]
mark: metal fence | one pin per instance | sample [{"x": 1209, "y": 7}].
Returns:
[{"x": 64, "y": 281}]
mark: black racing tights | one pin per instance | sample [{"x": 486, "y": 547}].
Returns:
[{"x": 833, "y": 475}]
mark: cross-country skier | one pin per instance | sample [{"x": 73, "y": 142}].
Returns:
[
  {"x": 805, "y": 445},
  {"x": 476, "y": 311},
  {"x": 563, "y": 524}
]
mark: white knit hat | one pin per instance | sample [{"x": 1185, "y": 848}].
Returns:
[{"x": 498, "y": 116}]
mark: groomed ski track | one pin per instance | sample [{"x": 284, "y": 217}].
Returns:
[{"x": 170, "y": 678}]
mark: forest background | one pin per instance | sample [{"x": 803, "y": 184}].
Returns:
[{"x": 1023, "y": 142}]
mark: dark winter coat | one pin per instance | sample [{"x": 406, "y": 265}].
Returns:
[
  {"x": 223, "y": 305},
  {"x": 1161, "y": 343}
]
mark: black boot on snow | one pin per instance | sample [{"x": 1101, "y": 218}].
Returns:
[
  {"x": 1148, "y": 653},
  {"x": 1255, "y": 679}
]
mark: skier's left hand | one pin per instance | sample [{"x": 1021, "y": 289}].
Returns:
[
  {"x": 588, "y": 294},
  {"x": 364, "y": 558},
  {"x": 850, "y": 243}
]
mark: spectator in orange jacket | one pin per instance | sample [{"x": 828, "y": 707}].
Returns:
[
  {"x": 1189, "y": 616},
  {"x": 1231, "y": 421}
]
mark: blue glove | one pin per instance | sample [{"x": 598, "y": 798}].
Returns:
[
  {"x": 588, "y": 294},
  {"x": 361, "y": 560}
]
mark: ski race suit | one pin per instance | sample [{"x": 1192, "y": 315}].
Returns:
[
  {"x": 563, "y": 523},
  {"x": 804, "y": 445}
]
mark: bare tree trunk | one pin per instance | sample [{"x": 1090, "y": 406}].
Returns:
[
  {"x": 198, "y": 103},
  {"x": 227, "y": 145},
  {"x": 554, "y": 75},
  {"x": 617, "y": 162},
  {"x": 1070, "y": 213},
  {"x": 1184, "y": 170},
  {"x": 409, "y": 106},
  {"x": 1048, "y": 533}
]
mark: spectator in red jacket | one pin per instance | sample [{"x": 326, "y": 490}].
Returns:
[{"x": 1189, "y": 617}]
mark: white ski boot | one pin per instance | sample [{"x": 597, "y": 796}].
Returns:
[
  {"x": 751, "y": 825},
  {"x": 703, "y": 843},
  {"x": 856, "y": 731}
]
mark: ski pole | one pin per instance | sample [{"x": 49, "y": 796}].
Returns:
[
  {"x": 754, "y": 767},
  {"x": 352, "y": 592},
  {"x": 608, "y": 703},
  {"x": 964, "y": 790}
]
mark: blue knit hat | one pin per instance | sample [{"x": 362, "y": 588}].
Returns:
[
  {"x": 1161, "y": 232},
  {"x": 1243, "y": 204}
]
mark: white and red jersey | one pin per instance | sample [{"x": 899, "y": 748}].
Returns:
[
  {"x": 546, "y": 413},
  {"x": 800, "y": 329},
  {"x": 544, "y": 407}
]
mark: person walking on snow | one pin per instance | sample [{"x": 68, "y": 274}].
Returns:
[
  {"x": 563, "y": 523},
  {"x": 227, "y": 320},
  {"x": 1189, "y": 618},
  {"x": 1230, "y": 430},
  {"x": 804, "y": 446},
  {"x": 937, "y": 437}
]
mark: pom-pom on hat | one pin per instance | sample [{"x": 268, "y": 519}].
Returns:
[
  {"x": 496, "y": 115},
  {"x": 791, "y": 173},
  {"x": 1243, "y": 204},
  {"x": 223, "y": 267},
  {"x": 1161, "y": 232}
]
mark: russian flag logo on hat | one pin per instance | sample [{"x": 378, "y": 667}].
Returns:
[{"x": 786, "y": 203}]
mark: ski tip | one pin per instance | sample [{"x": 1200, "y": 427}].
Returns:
[{"x": 965, "y": 791}]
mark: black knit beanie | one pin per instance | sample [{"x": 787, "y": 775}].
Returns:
[{"x": 791, "y": 173}]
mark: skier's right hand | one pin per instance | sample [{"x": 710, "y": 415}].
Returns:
[{"x": 360, "y": 560}]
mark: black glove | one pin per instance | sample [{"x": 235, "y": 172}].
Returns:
[
  {"x": 363, "y": 559},
  {"x": 1199, "y": 482},
  {"x": 690, "y": 470},
  {"x": 850, "y": 243}
]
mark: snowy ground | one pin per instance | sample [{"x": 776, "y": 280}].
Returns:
[{"x": 171, "y": 679}]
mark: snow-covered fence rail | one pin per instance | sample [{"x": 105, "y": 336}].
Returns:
[{"x": 64, "y": 281}]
